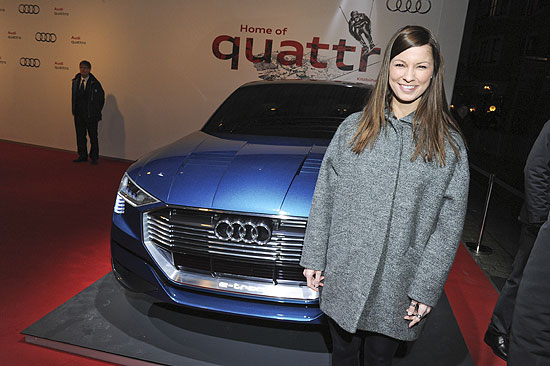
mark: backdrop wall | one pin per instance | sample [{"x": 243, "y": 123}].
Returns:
[{"x": 166, "y": 65}]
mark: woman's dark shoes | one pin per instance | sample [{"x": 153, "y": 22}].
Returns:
[
  {"x": 497, "y": 341},
  {"x": 94, "y": 162},
  {"x": 80, "y": 160}
]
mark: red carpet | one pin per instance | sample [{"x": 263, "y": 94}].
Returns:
[
  {"x": 54, "y": 236},
  {"x": 472, "y": 298}
]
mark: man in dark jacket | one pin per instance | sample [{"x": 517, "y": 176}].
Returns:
[
  {"x": 530, "y": 333},
  {"x": 533, "y": 214},
  {"x": 88, "y": 98}
]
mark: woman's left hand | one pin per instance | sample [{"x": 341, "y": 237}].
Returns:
[{"x": 416, "y": 312}]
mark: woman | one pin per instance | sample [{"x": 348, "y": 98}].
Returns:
[{"x": 389, "y": 206}]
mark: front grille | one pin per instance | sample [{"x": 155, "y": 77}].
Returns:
[{"x": 189, "y": 237}]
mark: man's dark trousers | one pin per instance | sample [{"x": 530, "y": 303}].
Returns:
[
  {"x": 530, "y": 333},
  {"x": 82, "y": 126},
  {"x": 504, "y": 309}
]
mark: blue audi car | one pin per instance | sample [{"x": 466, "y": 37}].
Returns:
[{"x": 216, "y": 220}]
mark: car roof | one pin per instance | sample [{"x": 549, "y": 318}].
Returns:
[{"x": 308, "y": 82}]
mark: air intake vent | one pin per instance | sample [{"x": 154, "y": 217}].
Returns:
[
  {"x": 311, "y": 165},
  {"x": 217, "y": 159}
]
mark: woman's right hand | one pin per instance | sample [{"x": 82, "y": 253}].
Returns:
[{"x": 314, "y": 278}]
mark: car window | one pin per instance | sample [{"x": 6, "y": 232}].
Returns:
[{"x": 292, "y": 110}]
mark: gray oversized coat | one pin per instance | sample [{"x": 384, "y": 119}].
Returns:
[{"x": 383, "y": 229}]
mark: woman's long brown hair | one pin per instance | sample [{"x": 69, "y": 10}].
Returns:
[{"x": 432, "y": 124}]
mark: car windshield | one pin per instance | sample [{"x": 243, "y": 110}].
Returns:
[{"x": 291, "y": 110}]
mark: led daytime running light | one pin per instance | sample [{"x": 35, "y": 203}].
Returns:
[{"x": 134, "y": 194}]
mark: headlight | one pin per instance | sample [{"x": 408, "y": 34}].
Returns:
[{"x": 130, "y": 192}]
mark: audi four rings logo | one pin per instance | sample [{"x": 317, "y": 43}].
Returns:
[
  {"x": 243, "y": 230},
  {"x": 29, "y": 9},
  {"x": 29, "y": 62},
  {"x": 409, "y": 6},
  {"x": 45, "y": 37}
]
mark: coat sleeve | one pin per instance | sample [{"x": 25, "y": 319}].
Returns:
[
  {"x": 101, "y": 95},
  {"x": 440, "y": 250},
  {"x": 537, "y": 178},
  {"x": 73, "y": 95},
  {"x": 320, "y": 216}
]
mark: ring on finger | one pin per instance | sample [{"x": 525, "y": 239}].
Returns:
[{"x": 419, "y": 316}]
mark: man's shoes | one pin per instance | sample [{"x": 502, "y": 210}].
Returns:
[
  {"x": 80, "y": 160},
  {"x": 497, "y": 341},
  {"x": 94, "y": 162}
]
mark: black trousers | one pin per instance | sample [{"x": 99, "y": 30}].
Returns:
[
  {"x": 82, "y": 127},
  {"x": 504, "y": 309},
  {"x": 378, "y": 349},
  {"x": 530, "y": 333}
]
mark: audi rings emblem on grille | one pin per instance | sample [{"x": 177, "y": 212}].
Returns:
[
  {"x": 29, "y": 9},
  {"x": 243, "y": 230},
  {"x": 45, "y": 37},
  {"x": 29, "y": 62},
  {"x": 409, "y": 6}
]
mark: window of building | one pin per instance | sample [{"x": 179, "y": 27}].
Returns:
[
  {"x": 496, "y": 48},
  {"x": 498, "y": 7},
  {"x": 531, "y": 45},
  {"x": 489, "y": 50},
  {"x": 533, "y": 6}
]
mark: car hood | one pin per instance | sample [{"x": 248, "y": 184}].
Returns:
[{"x": 256, "y": 174}]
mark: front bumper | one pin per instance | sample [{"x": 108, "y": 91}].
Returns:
[{"x": 137, "y": 274}]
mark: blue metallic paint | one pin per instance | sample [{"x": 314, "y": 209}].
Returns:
[
  {"x": 235, "y": 175},
  {"x": 258, "y": 178}
]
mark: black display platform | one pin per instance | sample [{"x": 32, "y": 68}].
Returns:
[{"x": 106, "y": 322}]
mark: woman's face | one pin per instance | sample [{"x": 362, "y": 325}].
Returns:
[{"x": 410, "y": 74}]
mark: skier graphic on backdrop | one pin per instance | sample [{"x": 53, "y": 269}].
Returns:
[{"x": 359, "y": 28}]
